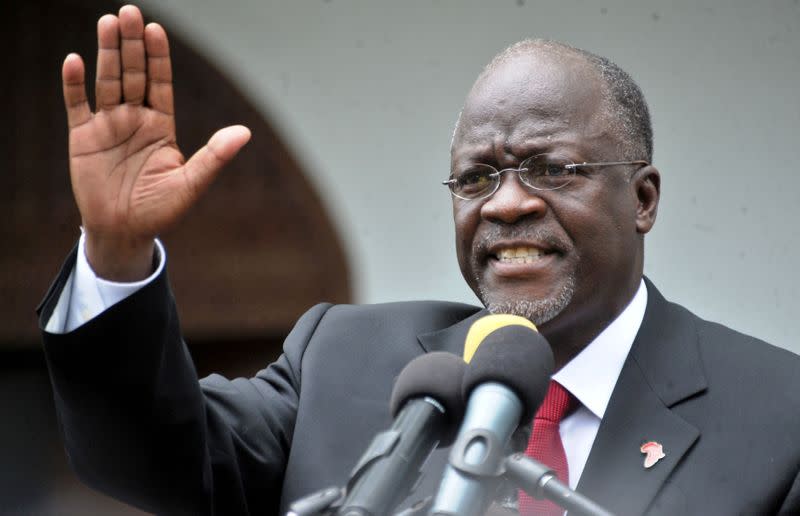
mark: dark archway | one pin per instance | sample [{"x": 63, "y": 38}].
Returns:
[{"x": 256, "y": 252}]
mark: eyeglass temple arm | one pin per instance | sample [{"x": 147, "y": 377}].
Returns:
[{"x": 607, "y": 164}]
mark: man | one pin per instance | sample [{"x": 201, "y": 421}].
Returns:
[{"x": 553, "y": 192}]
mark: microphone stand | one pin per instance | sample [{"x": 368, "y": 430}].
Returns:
[
  {"x": 329, "y": 501},
  {"x": 540, "y": 482},
  {"x": 531, "y": 476},
  {"x": 534, "y": 478}
]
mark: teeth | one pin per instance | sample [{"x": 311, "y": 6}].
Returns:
[{"x": 520, "y": 255}]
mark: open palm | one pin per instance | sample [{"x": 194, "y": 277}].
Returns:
[{"x": 129, "y": 178}]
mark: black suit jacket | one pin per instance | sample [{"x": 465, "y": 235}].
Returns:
[{"x": 138, "y": 425}]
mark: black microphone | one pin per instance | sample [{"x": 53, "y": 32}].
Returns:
[
  {"x": 505, "y": 382},
  {"x": 427, "y": 406}
]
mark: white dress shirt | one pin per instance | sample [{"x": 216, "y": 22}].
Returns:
[
  {"x": 590, "y": 376},
  {"x": 85, "y": 295}
]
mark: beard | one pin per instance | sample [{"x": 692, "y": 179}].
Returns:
[{"x": 538, "y": 311}]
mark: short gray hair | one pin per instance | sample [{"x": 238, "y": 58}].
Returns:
[{"x": 626, "y": 108}]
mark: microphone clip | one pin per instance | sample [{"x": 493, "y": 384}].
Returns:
[{"x": 479, "y": 452}]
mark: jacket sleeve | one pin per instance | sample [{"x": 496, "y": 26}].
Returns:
[{"x": 138, "y": 425}]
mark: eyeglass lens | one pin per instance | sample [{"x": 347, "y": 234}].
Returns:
[{"x": 540, "y": 172}]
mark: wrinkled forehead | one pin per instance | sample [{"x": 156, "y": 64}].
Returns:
[{"x": 530, "y": 94}]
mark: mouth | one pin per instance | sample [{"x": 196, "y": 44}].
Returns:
[
  {"x": 519, "y": 255},
  {"x": 519, "y": 251},
  {"x": 520, "y": 259}
]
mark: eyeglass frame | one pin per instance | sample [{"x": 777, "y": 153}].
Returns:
[{"x": 520, "y": 169}]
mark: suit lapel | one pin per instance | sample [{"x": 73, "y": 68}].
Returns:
[
  {"x": 662, "y": 369},
  {"x": 615, "y": 475},
  {"x": 450, "y": 339}
]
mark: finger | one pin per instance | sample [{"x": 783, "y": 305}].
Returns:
[
  {"x": 107, "y": 88},
  {"x": 203, "y": 167},
  {"x": 131, "y": 28},
  {"x": 159, "y": 69},
  {"x": 72, "y": 76}
]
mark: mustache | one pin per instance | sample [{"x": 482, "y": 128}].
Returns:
[{"x": 498, "y": 232}]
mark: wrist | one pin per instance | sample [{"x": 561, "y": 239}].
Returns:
[{"x": 119, "y": 259}]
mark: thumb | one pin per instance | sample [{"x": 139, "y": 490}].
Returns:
[{"x": 204, "y": 165}]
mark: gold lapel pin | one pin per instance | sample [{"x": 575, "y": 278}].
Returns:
[{"x": 653, "y": 451}]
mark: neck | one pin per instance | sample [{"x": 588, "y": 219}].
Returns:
[{"x": 576, "y": 327}]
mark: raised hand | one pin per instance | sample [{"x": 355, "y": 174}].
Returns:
[{"x": 129, "y": 178}]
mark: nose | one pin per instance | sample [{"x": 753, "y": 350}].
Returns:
[{"x": 513, "y": 201}]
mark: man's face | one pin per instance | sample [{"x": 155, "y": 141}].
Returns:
[{"x": 564, "y": 258}]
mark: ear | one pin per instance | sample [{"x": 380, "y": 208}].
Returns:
[{"x": 647, "y": 186}]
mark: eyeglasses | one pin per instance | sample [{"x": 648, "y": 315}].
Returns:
[{"x": 540, "y": 172}]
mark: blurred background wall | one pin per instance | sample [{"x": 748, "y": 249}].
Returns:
[
  {"x": 365, "y": 92},
  {"x": 337, "y": 196}
]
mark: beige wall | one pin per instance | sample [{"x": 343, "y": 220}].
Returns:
[{"x": 368, "y": 91}]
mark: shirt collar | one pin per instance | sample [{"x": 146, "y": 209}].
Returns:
[{"x": 593, "y": 373}]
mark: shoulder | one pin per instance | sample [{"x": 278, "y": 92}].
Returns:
[
  {"x": 741, "y": 363},
  {"x": 720, "y": 339},
  {"x": 670, "y": 322},
  {"x": 749, "y": 362},
  {"x": 373, "y": 327},
  {"x": 723, "y": 345},
  {"x": 384, "y": 323},
  {"x": 680, "y": 352},
  {"x": 421, "y": 316}
]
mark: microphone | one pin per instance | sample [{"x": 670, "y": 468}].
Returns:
[
  {"x": 481, "y": 329},
  {"x": 505, "y": 382},
  {"x": 427, "y": 405},
  {"x": 541, "y": 482}
]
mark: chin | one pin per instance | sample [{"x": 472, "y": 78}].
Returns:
[{"x": 538, "y": 310}]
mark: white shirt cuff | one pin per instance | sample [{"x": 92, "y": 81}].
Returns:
[{"x": 85, "y": 296}]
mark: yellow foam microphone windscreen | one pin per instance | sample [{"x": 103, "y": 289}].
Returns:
[{"x": 481, "y": 328}]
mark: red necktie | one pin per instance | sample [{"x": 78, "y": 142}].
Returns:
[{"x": 545, "y": 446}]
